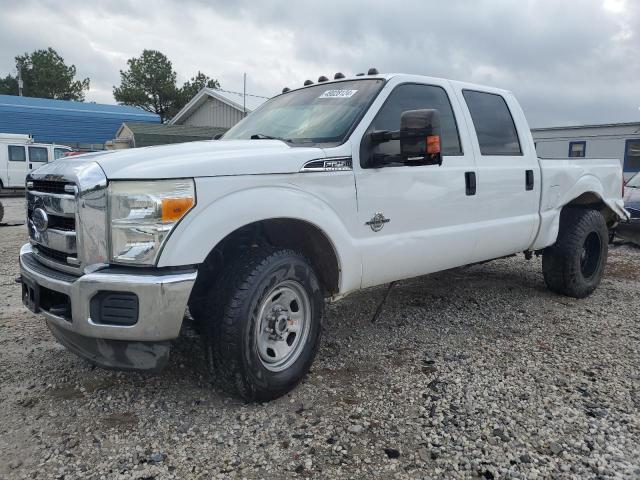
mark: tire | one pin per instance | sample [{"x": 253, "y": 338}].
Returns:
[
  {"x": 574, "y": 265},
  {"x": 263, "y": 323}
]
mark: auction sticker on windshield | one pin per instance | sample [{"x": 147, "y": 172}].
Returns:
[{"x": 338, "y": 94}]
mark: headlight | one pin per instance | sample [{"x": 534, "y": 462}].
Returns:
[{"x": 142, "y": 215}]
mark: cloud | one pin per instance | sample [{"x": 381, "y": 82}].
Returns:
[{"x": 568, "y": 62}]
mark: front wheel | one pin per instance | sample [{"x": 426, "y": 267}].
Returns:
[
  {"x": 263, "y": 325},
  {"x": 574, "y": 265}
]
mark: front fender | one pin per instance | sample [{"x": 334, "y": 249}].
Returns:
[{"x": 225, "y": 204}]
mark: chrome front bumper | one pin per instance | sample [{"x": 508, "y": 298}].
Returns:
[{"x": 162, "y": 300}]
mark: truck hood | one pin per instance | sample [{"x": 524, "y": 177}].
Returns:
[{"x": 203, "y": 159}]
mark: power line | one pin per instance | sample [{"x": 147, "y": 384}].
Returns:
[{"x": 241, "y": 94}]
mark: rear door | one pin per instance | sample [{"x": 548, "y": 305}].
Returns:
[
  {"x": 16, "y": 165},
  {"x": 506, "y": 211},
  {"x": 413, "y": 219}
]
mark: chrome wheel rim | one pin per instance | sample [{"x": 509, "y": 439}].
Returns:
[{"x": 283, "y": 325}]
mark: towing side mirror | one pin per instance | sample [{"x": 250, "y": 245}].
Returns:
[{"x": 420, "y": 137}]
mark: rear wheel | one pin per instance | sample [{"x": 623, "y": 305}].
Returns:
[
  {"x": 574, "y": 265},
  {"x": 262, "y": 322}
]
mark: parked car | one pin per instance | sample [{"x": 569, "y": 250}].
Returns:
[
  {"x": 632, "y": 191},
  {"x": 19, "y": 154},
  {"x": 322, "y": 191},
  {"x": 74, "y": 153},
  {"x": 631, "y": 230}
]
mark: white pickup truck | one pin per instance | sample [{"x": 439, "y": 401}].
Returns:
[{"x": 326, "y": 189}]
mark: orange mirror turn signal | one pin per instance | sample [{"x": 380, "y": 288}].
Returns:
[{"x": 433, "y": 144}]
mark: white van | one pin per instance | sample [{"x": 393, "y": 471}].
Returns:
[{"x": 19, "y": 154}]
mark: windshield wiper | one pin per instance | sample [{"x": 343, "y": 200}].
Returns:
[{"x": 262, "y": 136}]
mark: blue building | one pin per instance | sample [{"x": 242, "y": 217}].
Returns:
[{"x": 77, "y": 124}]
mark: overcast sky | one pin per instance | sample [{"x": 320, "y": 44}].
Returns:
[{"x": 568, "y": 61}]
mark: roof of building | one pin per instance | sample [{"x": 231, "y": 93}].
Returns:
[
  {"x": 574, "y": 127},
  {"x": 64, "y": 121},
  {"x": 147, "y": 134},
  {"x": 230, "y": 98}
]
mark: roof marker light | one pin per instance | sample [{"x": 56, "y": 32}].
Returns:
[
  {"x": 338, "y": 76},
  {"x": 286, "y": 89},
  {"x": 308, "y": 82},
  {"x": 359, "y": 74},
  {"x": 372, "y": 71},
  {"x": 322, "y": 79}
]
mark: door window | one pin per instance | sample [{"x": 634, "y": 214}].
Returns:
[
  {"x": 38, "y": 154},
  {"x": 17, "y": 154},
  {"x": 411, "y": 97},
  {"x": 632, "y": 156},
  {"x": 496, "y": 131}
]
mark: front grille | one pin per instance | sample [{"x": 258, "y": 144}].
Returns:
[
  {"x": 48, "y": 186},
  {"x": 56, "y": 242},
  {"x": 62, "y": 223},
  {"x": 52, "y": 254},
  {"x": 67, "y": 201},
  {"x": 57, "y": 222}
]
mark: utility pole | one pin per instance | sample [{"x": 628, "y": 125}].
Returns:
[
  {"x": 244, "y": 96},
  {"x": 20, "y": 82}
]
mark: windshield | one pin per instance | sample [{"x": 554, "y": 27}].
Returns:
[
  {"x": 634, "y": 182},
  {"x": 323, "y": 113}
]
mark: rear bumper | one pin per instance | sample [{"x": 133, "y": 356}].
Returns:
[
  {"x": 162, "y": 300},
  {"x": 618, "y": 207}
]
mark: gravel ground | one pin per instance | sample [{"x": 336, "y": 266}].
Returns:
[{"x": 477, "y": 372}]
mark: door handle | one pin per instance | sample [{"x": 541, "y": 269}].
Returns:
[
  {"x": 529, "y": 179},
  {"x": 470, "y": 182}
]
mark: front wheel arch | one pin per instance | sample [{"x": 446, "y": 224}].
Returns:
[{"x": 285, "y": 233}]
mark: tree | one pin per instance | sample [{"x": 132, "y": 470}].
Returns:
[
  {"x": 192, "y": 87},
  {"x": 9, "y": 85},
  {"x": 150, "y": 83},
  {"x": 45, "y": 75}
]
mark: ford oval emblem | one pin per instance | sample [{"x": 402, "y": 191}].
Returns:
[{"x": 40, "y": 220}]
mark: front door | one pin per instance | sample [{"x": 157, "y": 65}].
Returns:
[
  {"x": 413, "y": 220},
  {"x": 16, "y": 165}
]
